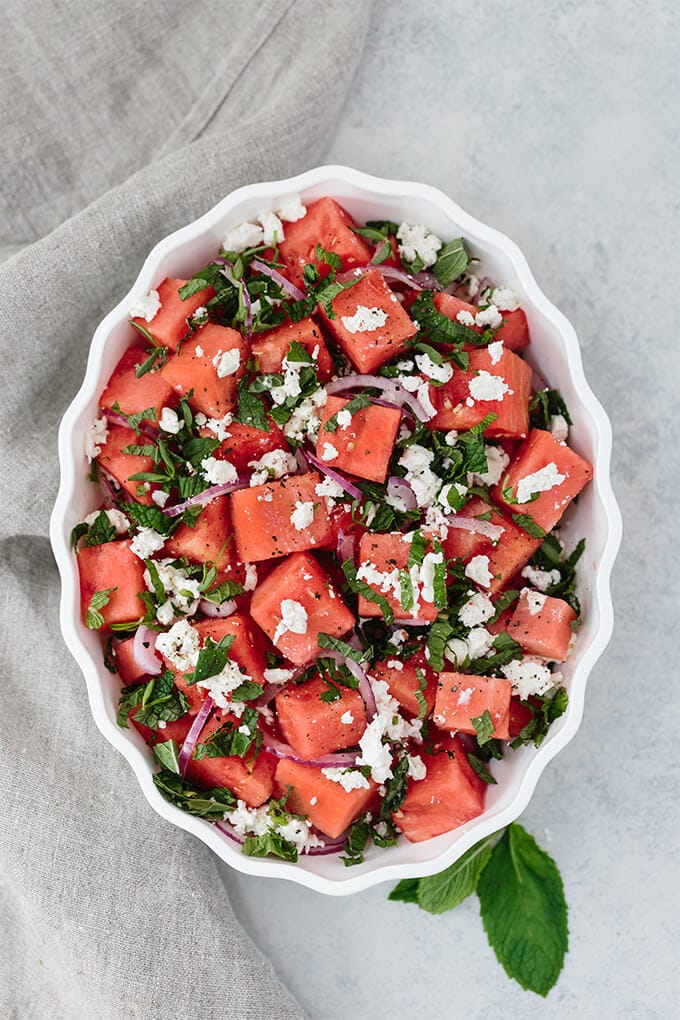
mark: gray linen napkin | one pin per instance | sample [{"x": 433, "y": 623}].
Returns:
[{"x": 131, "y": 119}]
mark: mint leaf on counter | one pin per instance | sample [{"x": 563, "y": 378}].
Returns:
[{"x": 442, "y": 892}]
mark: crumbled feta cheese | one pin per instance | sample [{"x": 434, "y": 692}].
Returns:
[
  {"x": 457, "y": 651},
  {"x": 417, "y": 769},
  {"x": 218, "y": 472},
  {"x": 303, "y": 515},
  {"x": 250, "y": 583},
  {"x": 465, "y": 318},
  {"x": 95, "y": 437},
  {"x": 374, "y": 752},
  {"x": 440, "y": 373},
  {"x": 328, "y": 452},
  {"x": 181, "y": 645},
  {"x": 198, "y": 351},
  {"x": 116, "y": 519},
  {"x": 347, "y": 718},
  {"x": 496, "y": 462},
  {"x": 495, "y": 351},
  {"x": 221, "y": 685},
  {"x": 543, "y": 480},
  {"x": 486, "y": 386},
  {"x": 478, "y": 571},
  {"x": 313, "y": 801},
  {"x": 395, "y": 664},
  {"x": 146, "y": 307},
  {"x": 274, "y": 464},
  {"x": 245, "y": 235},
  {"x": 559, "y": 427},
  {"x": 298, "y": 831},
  {"x": 479, "y": 642},
  {"x": 444, "y": 497},
  {"x": 291, "y": 209},
  {"x": 304, "y": 421},
  {"x": 227, "y": 362},
  {"x": 165, "y": 613},
  {"x": 476, "y": 610},
  {"x": 277, "y": 676},
  {"x": 535, "y": 600},
  {"x": 349, "y": 779},
  {"x": 272, "y": 228},
  {"x": 527, "y": 676},
  {"x": 425, "y": 483},
  {"x": 344, "y": 418},
  {"x": 427, "y": 574},
  {"x": 218, "y": 426},
  {"x": 364, "y": 320},
  {"x": 160, "y": 497},
  {"x": 416, "y": 241},
  {"x": 504, "y": 299},
  {"x": 293, "y": 619},
  {"x": 330, "y": 490},
  {"x": 451, "y": 438},
  {"x": 541, "y": 579},
  {"x": 200, "y": 313},
  {"x": 169, "y": 421},
  {"x": 385, "y": 581},
  {"x": 489, "y": 316},
  {"x": 146, "y": 542}
]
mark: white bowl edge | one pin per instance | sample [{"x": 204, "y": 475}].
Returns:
[{"x": 327, "y": 874}]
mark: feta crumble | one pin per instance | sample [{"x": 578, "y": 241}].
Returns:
[
  {"x": 495, "y": 351},
  {"x": 328, "y": 452},
  {"x": 291, "y": 210},
  {"x": 504, "y": 299},
  {"x": 96, "y": 437},
  {"x": 465, "y": 318},
  {"x": 181, "y": 645},
  {"x": 489, "y": 316},
  {"x": 116, "y": 519},
  {"x": 478, "y": 571},
  {"x": 344, "y": 418},
  {"x": 364, "y": 320},
  {"x": 486, "y": 386},
  {"x": 347, "y": 718},
  {"x": 169, "y": 421},
  {"x": 440, "y": 373},
  {"x": 227, "y": 362},
  {"x": 146, "y": 542},
  {"x": 277, "y": 676},
  {"x": 417, "y": 242},
  {"x": 245, "y": 235},
  {"x": 417, "y": 769},
  {"x": 559, "y": 428},
  {"x": 293, "y": 619},
  {"x": 146, "y": 307},
  {"x": 535, "y": 600},
  {"x": 425, "y": 483},
  {"x": 218, "y": 472},
  {"x": 528, "y": 676},
  {"x": 541, "y": 579},
  {"x": 496, "y": 462},
  {"x": 303, "y": 515},
  {"x": 478, "y": 609},
  {"x": 349, "y": 779},
  {"x": 218, "y": 426},
  {"x": 274, "y": 464},
  {"x": 543, "y": 480}
]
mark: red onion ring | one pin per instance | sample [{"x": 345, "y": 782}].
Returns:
[
  {"x": 399, "y": 488},
  {"x": 143, "y": 650},
  {"x": 227, "y": 830},
  {"x": 110, "y": 486},
  {"x": 492, "y": 531},
  {"x": 388, "y": 403},
  {"x": 277, "y": 277},
  {"x": 388, "y": 272},
  {"x": 429, "y": 281},
  {"x": 315, "y": 851},
  {"x": 412, "y": 621},
  {"x": 481, "y": 286},
  {"x": 195, "y": 731},
  {"x": 390, "y": 387},
  {"x": 242, "y": 482},
  {"x": 302, "y": 462},
  {"x": 350, "y": 489},
  {"x": 282, "y": 750},
  {"x": 345, "y": 546},
  {"x": 220, "y": 612},
  {"x": 119, "y": 419}
]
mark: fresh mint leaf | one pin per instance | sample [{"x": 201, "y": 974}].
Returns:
[
  {"x": 441, "y": 330},
  {"x": 151, "y": 517},
  {"x": 211, "y": 804},
  {"x": 229, "y": 741},
  {"x": 135, "y": 420},
  {"x": 208, "y": 276},
  {"x": 484, "y": 727},
  {"x": 212, "y": 659},
  {"x": 270, "y": 843},
  {"x": 544, "y": 405},
  {"x": 439, "y": 634},
  {"x": 529, "y": 525},
  {"x": 420, "y": 693},
  {"x": 223, "y": 592},
  {"x": 251, "y": 410},
  {"x": 524, "y": 911},
  {"x": 156, "y": 358},
  {"x": 480, "y": 768},
  {"x": 329, "y": 257},
  {"x": 100, "y": 531},
  {"x": 546, "y": 709},
  {"x": 406, "y": 891},
  {"x": 167, "y": 755},
  {"x": 442, "y": 892},
  {"x": 93, "y": 618},
  {"x": 341, "y": 647},
  {"x": 247, "y": 691},
  {"x": 452, "y": 261},
  {"x": 506, "y": 650},
  {"x": 503, "y": 602}
]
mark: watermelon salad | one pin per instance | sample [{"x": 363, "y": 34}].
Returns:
[{"x": 326, "y": 563}]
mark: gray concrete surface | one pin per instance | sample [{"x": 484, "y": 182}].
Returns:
[{"x": 558, "y": 123}]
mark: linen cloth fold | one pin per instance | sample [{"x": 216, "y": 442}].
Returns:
[{"x": 130, "y": 119}]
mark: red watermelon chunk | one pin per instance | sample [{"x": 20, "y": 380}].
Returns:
[
  {"x": 112, "y": 565},
  {"x": 169, "y": 324},
  {"x": 329, "y": 225},
  {"x": 269, "y": 522},
  {"x": 364, "y": 446},
  {"x": 314, "y": 727},
  {"x": 541, "y": 624},
  {"x": 462, "y": 698},
  {"x": 327, "y": 805},
  {"x": 133, "y": 395},
  {"x": 271, "y": 347},
  {"x": 211, "y": 364}
]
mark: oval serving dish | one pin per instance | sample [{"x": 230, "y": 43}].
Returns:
[{"x": 554, "y": 353}]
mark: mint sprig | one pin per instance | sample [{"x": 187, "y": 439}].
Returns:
[{"x": 522, "y": 903}]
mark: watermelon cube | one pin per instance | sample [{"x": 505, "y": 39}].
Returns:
[
  {"x": 364, "y": 446},
  {"x": 314, "y": 727},
  {"x": 211, "y": 364},
  {"x": 112, "y": 565},
  {"x": 462, "y": 698},
  {"x": 329, "y": 225},
  {"x": 328, "y": 806},
  {"x": 271, "y": 347},
  {"x": 279, "y": 517},
  {"x": 169, "y": 324},
  {"x": 541, "y": 624}
]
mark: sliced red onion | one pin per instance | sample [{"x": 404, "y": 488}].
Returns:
[
  {"x": 392, "y": 389},
  {"x": 400, "y": 275},
  {"x": 290, "y": 288},
  {"x": 143, "y": 650},
  {"x": 268, "y": 694},
  {"x": 119, "y": 419},
  {"x": 399, "y": 488},
  {"x": 412, "y": 621},
  {"x": 429, "y": 281},
  {"x": 242, "y": 482},
  {"x": 110, "y": 486},
  {"x": 481, "y": 287},
  {"x": 220, "y": 612},
  {"x": 332, "y": 847},
  {"x": 283, "y": 750},
  {"x": 350, "y": 489},
  {"x": 492, "y": 531},
  {"x": 192, "y": 736},
  {"x": 364, "y": 688},
  {"x": 388, "y": 403},
  {"x": 346, "y": 546},
  {"x": 242, "y": 287},
  {"x": 228, "y": 830},
  {"x": 538, "y": 383},
  {"x": 302, "y": 462}
]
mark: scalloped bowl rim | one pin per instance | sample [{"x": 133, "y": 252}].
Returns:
[{"x": 378, "y": 868}]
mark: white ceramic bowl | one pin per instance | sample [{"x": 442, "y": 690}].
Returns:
[{"x": 554, "y": 351}]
